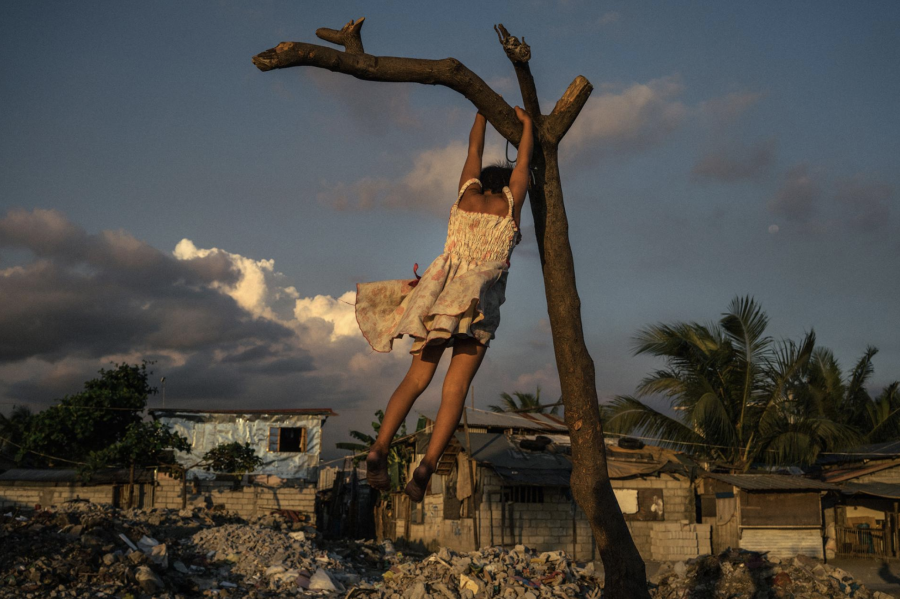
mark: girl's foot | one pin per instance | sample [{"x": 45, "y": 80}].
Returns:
[
  {"x": 377, "y": 471},
  {"x": 416, "y": 486}
]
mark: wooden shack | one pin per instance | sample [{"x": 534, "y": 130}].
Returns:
[{"x": 775, "y": 513}]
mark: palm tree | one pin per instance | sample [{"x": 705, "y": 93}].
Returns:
[
  {"x": 524, "y": 403},
  {"x": 398, "y": 458},
  {"x": 877, "y": 419},
  {"x": 884, "y": 415},
  {"x": 738, "y": 395}
]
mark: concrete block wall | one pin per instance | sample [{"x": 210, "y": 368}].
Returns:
[
  {"x": 246, "y": 500},
  {"x": 27, "y": 495},
  {"x": 548, "y": 526},
  {"x": 671, "y": 541}
]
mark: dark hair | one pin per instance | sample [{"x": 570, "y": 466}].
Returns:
[{"x": 495, "y": 177}]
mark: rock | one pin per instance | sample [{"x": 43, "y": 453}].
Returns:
[
  {"x": 110, "y": 558},
  {"x": 416, "y": 591},
  {"x": 471, "y": 583},
  {"x": 148, "y": 580},
  {"x": 159, "y": 556},
  {"x": 180, "y": 567},
  {"x": 320, "y": 581}
]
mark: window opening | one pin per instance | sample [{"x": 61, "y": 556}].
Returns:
[{"x": 287, "y": 439}]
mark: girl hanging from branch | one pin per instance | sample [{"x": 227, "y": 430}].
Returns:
[{"x": 456, "y": 302}]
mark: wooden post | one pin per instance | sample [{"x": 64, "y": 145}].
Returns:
[
  {"x": 471, "y": 477},
  {"x": 896, "y": 529}
]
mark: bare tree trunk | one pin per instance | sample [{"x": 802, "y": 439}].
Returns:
[{"x": 625, "y": 573}]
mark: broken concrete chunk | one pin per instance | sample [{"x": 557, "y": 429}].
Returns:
[
  {"x": 148, "y": 580},
  {"x": 320, "y": 581}
]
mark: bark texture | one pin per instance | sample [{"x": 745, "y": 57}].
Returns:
[{"x": 625, "y": 573}]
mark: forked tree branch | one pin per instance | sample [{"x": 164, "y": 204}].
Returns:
[
  {"x": 448, "y": 72},
  {"x": 568, "y": 107},
  {"x": 349, "y": 36}
]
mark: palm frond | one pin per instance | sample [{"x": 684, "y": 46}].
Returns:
[{"x": 626, "y": 414}]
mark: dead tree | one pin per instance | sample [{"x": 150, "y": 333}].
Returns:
[{"x": 625, "y": 574}]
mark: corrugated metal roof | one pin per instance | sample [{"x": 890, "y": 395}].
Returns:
[
  {"x": 842, "y": 474},
  {"x": 547, "y": 468},
  {"x": 772, "y": 482},
  {"x": 299, "y": 411},
  {"x": 508, "y": 420},
  {"x": 889, "y": 490},
  {"x": 888, "y": 449}
]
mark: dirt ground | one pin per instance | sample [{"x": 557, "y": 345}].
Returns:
[{"x": 877, "y": 575}]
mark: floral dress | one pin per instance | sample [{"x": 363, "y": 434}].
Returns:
[{"x": 459, "y": 295}]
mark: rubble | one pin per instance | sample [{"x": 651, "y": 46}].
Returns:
[
  {"x": 738, "y": 573},
  {"x": 84, "y": 550},
  {"x": 80, "y": 549},
  {"x": 519, "y": 573}
]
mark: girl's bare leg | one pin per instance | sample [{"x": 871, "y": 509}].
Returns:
[
  {"x": 411, "y": 387},
  {"x": 467, "y": 357}
]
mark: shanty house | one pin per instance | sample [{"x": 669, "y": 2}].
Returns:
[
  {"x": 864, "y": 520},
  {"x": 288, "y": 440},
  {"x": 505, "y": 481},
  {"x": 775, "y": 513}
]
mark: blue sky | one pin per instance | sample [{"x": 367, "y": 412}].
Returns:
[{"x": 726, "y": 150}]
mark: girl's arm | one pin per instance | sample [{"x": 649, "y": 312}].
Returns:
[
  {"x": 518, "y": 182},
  {"x": 472, "y": 168}
]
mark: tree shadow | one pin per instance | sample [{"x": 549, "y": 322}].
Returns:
[{"x": 884, "y": 572}]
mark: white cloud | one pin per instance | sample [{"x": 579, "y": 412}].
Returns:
[
  {"x": 251, "y": 289},
  {"x": 637, "y": 117},
  {"x": 429, "y": 186},
  {"x": 339, "y": 312}
]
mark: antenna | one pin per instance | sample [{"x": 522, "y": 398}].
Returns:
[{"x": 162, "y": 380}]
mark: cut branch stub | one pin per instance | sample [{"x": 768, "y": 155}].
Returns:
[
  {"x": 516, "y": 51},
  {"x": 349, "y": 36}
]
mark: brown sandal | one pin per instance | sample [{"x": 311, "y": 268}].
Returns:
[{"x": 377, "y": 471}]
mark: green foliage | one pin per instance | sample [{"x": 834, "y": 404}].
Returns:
[
  {"x": 231, "y": 458},
  {"x": 144, "y": 444},
  {"x": 741, "y": 398},
  {"x": 12, "y": 429},
  {"x": 101, "y": 426},
  {"x": 399, "y": 457},
  {"x": 529, "y": 403},
  {"x": 89, "y": 421}
]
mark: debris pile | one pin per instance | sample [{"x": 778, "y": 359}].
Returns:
[
  {"x": 738, "y": 573},
  {"x": 266, "y": 558},
  {"x": 80, "y": 549},
  {"x": 492, "y": 572}
]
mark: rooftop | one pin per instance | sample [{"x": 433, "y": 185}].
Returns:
[
  {"x": 509, "y": 420},
  {"x": 772, "y": 482},
  {"x": 298, "y": 411}
]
